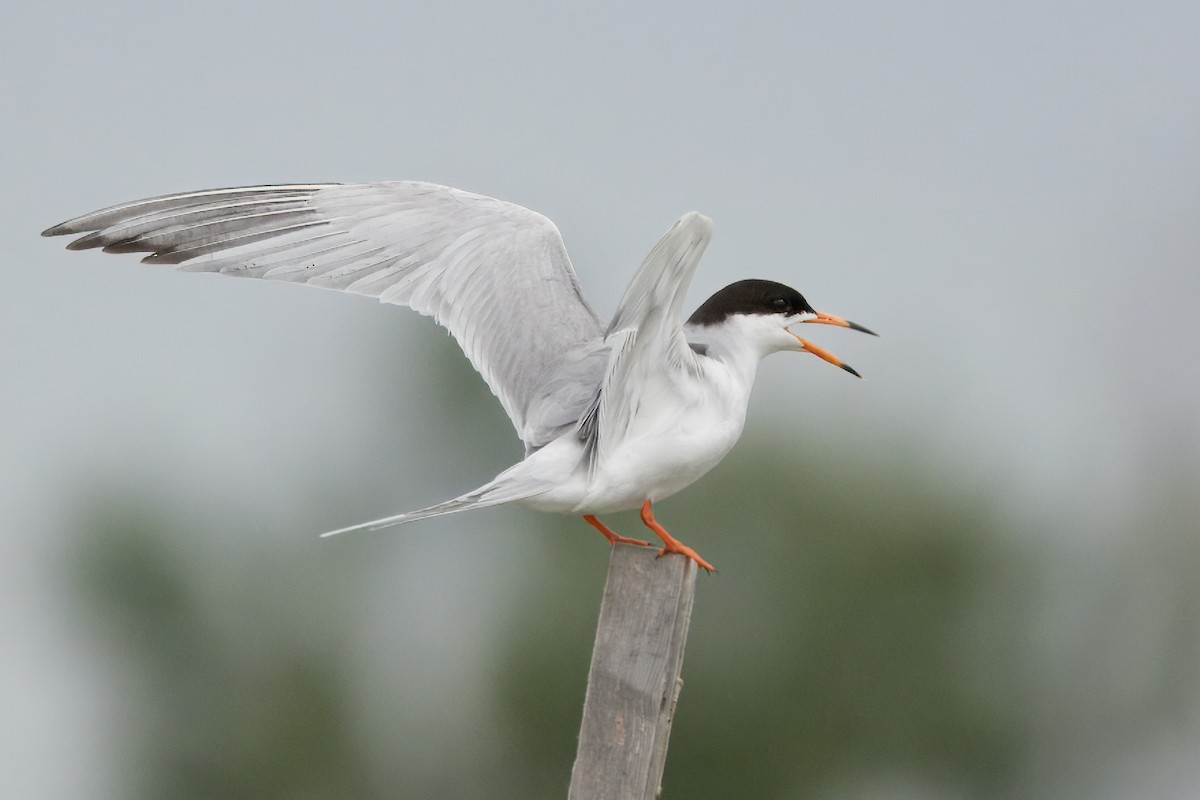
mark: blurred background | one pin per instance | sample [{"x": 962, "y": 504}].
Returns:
[{"x": 973, "y": 575}]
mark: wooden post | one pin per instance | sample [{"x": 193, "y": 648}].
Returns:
[{"x": 634, "y": 679}]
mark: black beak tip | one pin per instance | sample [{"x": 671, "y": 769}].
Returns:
[
  {"x": 852, "y": 371},
  {"x": 854, "y": 326}
]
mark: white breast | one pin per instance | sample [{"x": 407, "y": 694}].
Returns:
[{"x": 678, "y": 434}]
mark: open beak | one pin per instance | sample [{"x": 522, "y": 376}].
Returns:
[{"x": 820, "y": 352}]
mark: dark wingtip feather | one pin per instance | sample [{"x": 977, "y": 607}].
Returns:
[
  {"x": 86, "y": 242},
  {"x": 125, "y": 246},
  {"x": 168, "y": 257},
  {"x": 60, "y": 229}
]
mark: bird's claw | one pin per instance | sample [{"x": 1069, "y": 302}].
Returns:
[{"x": 689, "y": 553}]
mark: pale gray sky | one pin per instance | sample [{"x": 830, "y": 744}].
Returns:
[{"x": 1009, "y": 194}]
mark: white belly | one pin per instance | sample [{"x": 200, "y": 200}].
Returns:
[{"x": 659, "y": 458}]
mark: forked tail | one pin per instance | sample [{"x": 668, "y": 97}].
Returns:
[{"x": 505, "y": 488}]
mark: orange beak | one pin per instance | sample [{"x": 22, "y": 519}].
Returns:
[
  {"x": 820, "y": 352},
  {"x": 830, "y": 319}
]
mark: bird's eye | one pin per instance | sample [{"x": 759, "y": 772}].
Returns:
[{"x": 780, "y": 304}]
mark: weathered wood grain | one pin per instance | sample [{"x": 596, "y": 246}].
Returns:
[{"x": 634, "y": 679}]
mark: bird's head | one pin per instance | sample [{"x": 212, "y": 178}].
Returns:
[{"x": 762, "y": 313}]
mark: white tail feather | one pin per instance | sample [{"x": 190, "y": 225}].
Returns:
[{"x": 503, "y": 489}]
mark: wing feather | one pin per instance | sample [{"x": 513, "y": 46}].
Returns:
[
  {"x": 646, "y": 343},
  {"x": 495, "y": 274}
]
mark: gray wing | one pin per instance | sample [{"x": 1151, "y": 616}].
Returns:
[
  {"x": 647, "y": 347},
  {"x": 495, "y": 274}
]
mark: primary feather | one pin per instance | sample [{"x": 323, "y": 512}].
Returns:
[{"x": 495, "y": 274}]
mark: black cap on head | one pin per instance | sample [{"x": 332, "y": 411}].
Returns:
[{"x": 750, "y": 297}]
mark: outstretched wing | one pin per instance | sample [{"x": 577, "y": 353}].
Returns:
[
  {"x": 495, "y": 274},
  {"x": 648, "y": 347}
]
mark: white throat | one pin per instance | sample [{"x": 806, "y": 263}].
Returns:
[{"x": 737, "y": 344}]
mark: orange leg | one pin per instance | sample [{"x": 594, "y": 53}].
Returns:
[
  {"x": 612, "y": 536},
  {"x": 670, "y": 543}
]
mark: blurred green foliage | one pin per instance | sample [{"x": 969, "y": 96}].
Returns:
[
  {"x": 877, "y": 628},
  {"x": 233, "y": 696},
  {"x": 838, "y": 641}
]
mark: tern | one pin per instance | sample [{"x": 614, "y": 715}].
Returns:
[{"x": 612, "y": 418}]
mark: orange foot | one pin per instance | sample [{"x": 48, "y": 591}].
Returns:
[
  {"x": 612, "y": 536},
  {"x": 670, "y": 543}
]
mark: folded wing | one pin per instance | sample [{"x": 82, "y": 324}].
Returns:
[{"x": 495, "y": 274}]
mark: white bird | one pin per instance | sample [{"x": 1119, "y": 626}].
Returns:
[{"x": 613, "y": 418}]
